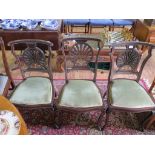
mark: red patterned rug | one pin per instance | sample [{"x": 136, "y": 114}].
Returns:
[{"x": 118, "y": 124}]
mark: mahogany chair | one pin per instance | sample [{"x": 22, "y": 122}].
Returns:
[
  {"x": 35, "y": 90},
  {"x": 6, "y": 81},
  {"x": 124, "y": 93},
  {"x": 79, "y": 95}
]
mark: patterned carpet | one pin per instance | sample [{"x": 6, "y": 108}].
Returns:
[{"x": 119, "y": 123}]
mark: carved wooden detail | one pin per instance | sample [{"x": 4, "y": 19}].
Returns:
[
  {"x": 34, "y": 57},
  {"x": 130, "y": 58},
  {"x": 80, "y": 54}
]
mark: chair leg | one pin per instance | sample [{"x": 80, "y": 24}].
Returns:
[
  {"x": 149, "y": 121},
  {"x": 109, "y": 28},
  {"x": 57, "y": 119},
  {"x": 106, "y": 113},
  {"x": 99, "y": 121},
  {"x": 90, "y": 29},
  {"x": 106, "y": 118},
  {"x": 85, "y": 29},
  {"x": 71, "y": 28},
  {"x": 68, "y": 27},
  {"x": 65, "y": 28},
  {"x": 112, "y": 28},
  {"x": 12, "y": 85}
]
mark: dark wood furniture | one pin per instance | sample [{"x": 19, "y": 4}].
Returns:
[
  {"x": 53, "y": 36},
  {"x": 104, "y": 53},
  {"x": 126, "y": 94},
  {"x": 151, "y": 118},
  {"x": 5, "y": 80},
  {"x": 80, "y": 95},
  {"x": 144, "y": 32},
  {"x": 35, "y": 90}
]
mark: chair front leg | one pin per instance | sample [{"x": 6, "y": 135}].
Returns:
[
  {"x": 57, "y": 118},
  {"x": 149, "y": 120}
]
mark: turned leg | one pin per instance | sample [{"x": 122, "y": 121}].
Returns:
[
  {"x": 149, "y": 121},
  {"x": 99, "y": 121},
  {"x": 57, "y": 118}
]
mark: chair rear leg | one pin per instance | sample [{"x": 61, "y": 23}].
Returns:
[
  {"x": 99, "y": 121},
  {"x": 90, "y": 29},
  {"x": 106, "y": 113},
  {"x": 106, "y": 118}
]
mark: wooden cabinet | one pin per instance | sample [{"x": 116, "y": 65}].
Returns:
[
  {"x": 53, "y": 36},
  {"x": 143, "y": 32},
  {"x": 40, "y": 33}
]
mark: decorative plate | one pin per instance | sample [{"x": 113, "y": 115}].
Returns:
[
  {"x": 29, "y": 24},
  {"x": 50, "y": 24},
  {"x": 10, "y": 24},
  {"x": 9, "y": 123}
]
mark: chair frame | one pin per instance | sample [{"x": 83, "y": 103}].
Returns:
[
  {"x": 110, "y": 107},
  {"x": 151, "y": 117},
  {"x": 32, "y": 57},
  {"x": 79, "y": 41},
  {"x": 10, "y": 81}
]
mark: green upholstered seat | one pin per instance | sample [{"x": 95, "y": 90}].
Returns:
[
  {"x": 80, "y": 94},
  {"x": 33, "y": 91},
  {"x": 129, "y": 94}
]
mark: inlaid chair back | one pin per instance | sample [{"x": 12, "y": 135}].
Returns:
[
  {"x": 130, "y": 60},
  {"x": 35, "y": 55},
  {"x": 36, "y": 90},
  {"x": 80, "y": 53},
  {"x": 124, "y": 92}
]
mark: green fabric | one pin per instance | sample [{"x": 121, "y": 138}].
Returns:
[
  {"x": 129, "y": 94},
  {"x": 33, "y": 91},
  {"x": 80, "y": 93},
  {"x": 101, "y": 65}
]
